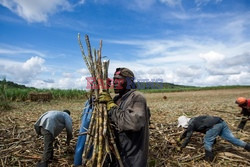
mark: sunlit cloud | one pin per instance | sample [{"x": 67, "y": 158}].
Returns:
[{"x": 22, "y": 72}]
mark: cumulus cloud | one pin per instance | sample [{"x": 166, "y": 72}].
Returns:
[
  {"x": 22, "y": 72},
  {"x": 38, "y": 10},
  {"x": 212, "y": 57},
  {"x": 219, "y": 64},
  {"x": 189, "y": 62}
]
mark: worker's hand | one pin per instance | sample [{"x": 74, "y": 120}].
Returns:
[
  {"x": 178, "y": 141},
  {"x": 105, "y": 97},
  {"x": 179, "y": 149}
]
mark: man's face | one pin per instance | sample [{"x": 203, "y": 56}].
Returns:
[
  {"x": 243, "y": 105},
  {"x": 120, "y": 83}
]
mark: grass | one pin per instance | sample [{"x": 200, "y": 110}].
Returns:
[
  {"x": 22, "y": 94},
  {"x": 4, "y": 102}
]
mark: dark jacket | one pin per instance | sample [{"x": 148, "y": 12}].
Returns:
[
  {"x": 246, "y": 114},
  {"x": 246, "y": 110},
  {"x": 199, "y": 124},
  {"x": 131, "y": 119}
]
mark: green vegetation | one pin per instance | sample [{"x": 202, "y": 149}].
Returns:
[
  {"x": 14, "y": 92},
  {"x": 4, "y": 102},
  {"x": 11, "y": 91}
]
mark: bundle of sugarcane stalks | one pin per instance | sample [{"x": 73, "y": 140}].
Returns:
[{"x": 100, "y": 141}]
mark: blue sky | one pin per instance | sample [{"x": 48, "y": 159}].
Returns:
[{"x": 189, "y": 42}]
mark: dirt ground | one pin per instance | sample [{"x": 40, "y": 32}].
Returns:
[{"x": 19, "y": 145}]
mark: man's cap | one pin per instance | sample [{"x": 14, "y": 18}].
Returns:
[
  {"x": 241, "y": 100},
  {"x": 124, "y": 72},
  {"x": 183, "y": 121},
  {"x": 67, "y": 111}
]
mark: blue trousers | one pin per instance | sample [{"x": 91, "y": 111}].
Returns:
[{"x": 222, "y": 130}]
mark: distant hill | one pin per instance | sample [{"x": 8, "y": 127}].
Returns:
[
  {"x": 146, "y": 86},
  {"x": 160, "y": 85},
  {"x": 11, "y": 84}
]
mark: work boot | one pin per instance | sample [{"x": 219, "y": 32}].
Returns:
[
  {"x": 42, "y": 164},
  {"x": 215, "y": 141},
  {"x": 209, "y": 156},
  {"x": 247, "y": 147}
]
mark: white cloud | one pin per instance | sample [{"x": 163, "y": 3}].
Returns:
[
  {"x": 188, "y": 71},
  {"x": 240, "y": 79},
  {"x": 212, "y": 57},
  {"x": 189, "y": 62},
  {"x": 37, "y": 10},
  {"x": 69, "y": 81},
  {"x": 22, "y": 72}
]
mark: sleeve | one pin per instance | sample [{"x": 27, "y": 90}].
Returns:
[
  {"x": 68, "y": 125},
  {"x": 188, "y": 133},
  {"x": 131, "y": 118},
  {"x": 242, "y": 123},
  {"x": 183, "y": 135}
]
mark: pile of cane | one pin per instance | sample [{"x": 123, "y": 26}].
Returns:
[{"x": 100, "y": 136}]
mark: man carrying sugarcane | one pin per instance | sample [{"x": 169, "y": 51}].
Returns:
[
  {"x": 212, "y": 127},
  {"x": 50, "y": 125},
  {"x": 244, "y": 104},
  {"x": 129, "y": 113}
]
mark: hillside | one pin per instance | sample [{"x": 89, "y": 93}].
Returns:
[{"x": 10, "y": 84}]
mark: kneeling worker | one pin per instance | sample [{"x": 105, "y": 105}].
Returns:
[
  {"x": 212, "y": 127},
  {"x": 244, "y": 104}
]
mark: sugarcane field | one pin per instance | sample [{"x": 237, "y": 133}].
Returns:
[
  {"x": 20, "y": 146},
  {"x": 124, "y": 83}
]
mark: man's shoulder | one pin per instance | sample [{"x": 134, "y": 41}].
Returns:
[{"x": 138, "y": 94}]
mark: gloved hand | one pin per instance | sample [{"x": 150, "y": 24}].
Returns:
[{"x": 105, "y": 97}]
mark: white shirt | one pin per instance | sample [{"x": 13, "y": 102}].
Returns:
[{"x": 55, "y": 122}]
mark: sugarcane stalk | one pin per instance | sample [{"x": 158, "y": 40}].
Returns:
[
  {"x": 112, "y": 140},
  {"x": 100, "y": 146},
  {"x": 95, "y": 148},
  {"x": 91, "y": 62},
  {"x": 88, "y": 142},
  {"x": 105, "y": 66},
  {"x": 83, "y": 54},
  {"x": 99, "y": 127}
]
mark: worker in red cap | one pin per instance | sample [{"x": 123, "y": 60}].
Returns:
[
  {"x": 129, "y": 114},
  {"x": 245, "y": 106}
]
